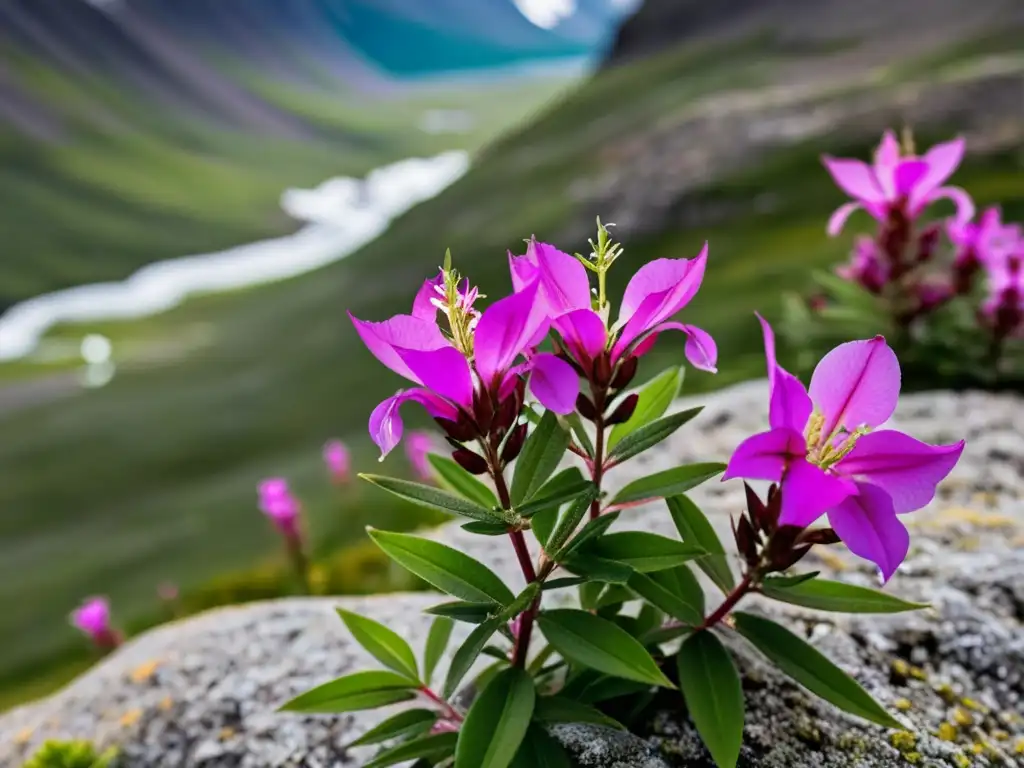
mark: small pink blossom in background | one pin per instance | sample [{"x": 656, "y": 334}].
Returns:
[
  {"x": 897, "y": 182},
  {"x": 418, "y": 446},
  {"x": 168, "y": 591},
  {"x": 277, "y": 502},
  {"x": 338, "y": 462},
  {"x": 866, "y": 266},
  {"x": 92, "y": 617}
]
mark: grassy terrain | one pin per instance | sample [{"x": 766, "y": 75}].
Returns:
[{"x": 153, "y": 476}]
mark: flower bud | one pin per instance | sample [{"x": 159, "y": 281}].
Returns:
[
  {"x": 472, "y": 462},
  {"x": 624, "y": 373},
  {"x": 586, "y": 408},
  {"x": 819, "y": 536},
  {"x": 483, "y": 410},
  {"x": 460, "y": 431},
  {"x": 746, "y": 541},
  {"x": 514, "y": 443},
  {"x": 602, "y": 370},
  {"x": 926, "y": 242},
  {"x": 624, "y": 410},
  {"x": 507, "y": 414}
]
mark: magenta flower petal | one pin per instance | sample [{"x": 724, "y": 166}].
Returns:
[
  {"x": 673, "y": 281},
  {"x": 554, "y": 383},
  {"x": 506, "y": 330},
  {"x": 789, "y": 405},
  {"x": 92, "y": 617},
  {"x": 907, "y": 175},
  {"x": 386, "y": 424},
  {"x": 963, "y": 202},
  {"x": 700, "y": 350},
  {"x": 857, "y": 383},
  {"x": 524, "y": 270},
  {"x": 855, "y": 178},
  {"x": 906, "y": 469},
  {"x": 583, "y": 332},
  {"x": 839, "y": 217},
  {"x": 869, "y": 526},
  {"x": 943, "y": 160},
  {"x": 808, "y": 492},
  {"x": 888, "y": 152},
  {"x": 403, "y": 331},
  {"x": 445, "y": 371},
  {"x": 563, "y": 279},
  {"x": 765, "y": 456},
  {"x": 422, "y": 305}
]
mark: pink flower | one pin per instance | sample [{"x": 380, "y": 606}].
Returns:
[
  {"x": 657, "y": 291},
  {"x": 418, "y": 446},
  {"x": 338, "y": 462},
  {"x": 823, "y": 451},
  {"x": 466, "y": 374},
  {"x": 866, "y": 266},
  {"x": 93, "y": 618},
  {"x": 1003, "y": 307},
  {"x": 277, "y": 502},
  {"x": 898, "y": 182}
]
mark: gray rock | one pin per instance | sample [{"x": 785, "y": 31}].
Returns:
[{"x": 203, "y": 692}]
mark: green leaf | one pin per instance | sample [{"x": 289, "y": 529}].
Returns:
[
  {"x": 540, "y": 750},
  {"x": 593, "y": 688},
  {"x": 408, "y": 723},
  {"x": 434, "y": 748},
  {"x": 437, "y": 641},
  {"x": 644, "y": 552},
  {"x": 835, "y": 596},
  {"x": 557, "y": 497},
  {"x": 599, "y": 644},
  {"x": 695, "y": 528},
  {"x": 668, "y": 483},
  {"x": 650, "y": 435},
  {"x": 582, "y": 438},
  {"x": 445, "y": 568},
  {"x": 432, "y": 498},
  {"x": 562, "y": 709},
  {"x": 571, "y": 518},
  {"x": 714, "y": 695},
  {"x": 593, "y": 529},
  {"x": 385, "y": 645},
  {"x": 655, "y": 398},
  {"x": 542, "y": 453},
  {"x": 791, "y": 581},
  {"x": 660, "y": 597},
  {"x": 459, "y": 610},
  {"x": 485, "y": 528},
  {"x": 660, "y": 635},
  {"x": 497, "y": 722},
  {"x": 565, "y": 583},
  {"x": 457, "y": 479},
  {"x": 811, "y": 668},
  {"x": 614, "y": 594},
  {"x": 363, "y": 690},
  {"x": 543, "y": 525},
  {"x": 467, "y": 653},
  {"x": 597, "y": 568},
  {"x": 682, "y": 582}
]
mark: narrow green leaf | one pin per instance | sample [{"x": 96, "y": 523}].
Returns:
[
  {"x": 835, "y": 596},
  {"x": 573, "y": 581},
  {"x": 682, "y": 582},
  {"x": 809, "y": 667},
  {"x": 655, "y": 398},
  {"x": 597, "y": 688},
  {"x": 432, "y": 498},
  {"x": 571, "y": 518},
  {"x": 556, "y": 497},
  {"x": 562, "y": 709},
  {"x": 433, "y": 748},
  {"x": 437, "y": 642},
  {"x": 543, "y": 525},
  {"x": 642, "y": 551},
  {"x": 485, "y": 528},
  {"x": 668, "y": 483},
  {"x": 582, "y": 438},
  {"x": 714, "y": 695},
  {"x": 599, "y": 644},
  {"x": 597, "y": 568},
  {"x": 650, "y": 435},
  {"x": 457, "y": 479},
  {"x": 385, "y": 645},
  {"x": 459, "y": 610},
  {"x": 593, "y": 529},
  {"x": 614, "y": 595},
  {"x": 695, "y": 528},
  {"x": 467, "y": 653},
  {"x": 363, "y": 690},
  {"x": 661, "y": 635},
  {"x": 649, "y": 618},
  {"x": 497, "y": 722},
  {"x": 540, "y": 750},
  {"x": 411, "y": 722},
  {"x": 660, "y": 597},
  {"x": 542, "y": 453},
  {"x": 447, "y": 569},
  {"x": 791, "y": 581}
]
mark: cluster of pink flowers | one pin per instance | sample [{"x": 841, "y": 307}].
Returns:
[
  {"x": 899, "y": 261},
  {"x": 92, "y": 618}
]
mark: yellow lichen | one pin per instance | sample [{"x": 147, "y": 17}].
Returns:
[
  {"x": 130, "y": 717},
  {"x": 977, "y": 748},
  {"x": 947, "y": 732},
  {"x": 903, "y": 705},
  {"x": 904, "y": 741},
  {"x": 166, "y": 703},
  {"x": 318, "y": 580},
  {"x": 913, "y": 757},
  {"x": 226, "y": 733},
  {"x": 1019, "y": 746},
  {"x": 946, "y": 693},
  {"x": 918, "y": 674},
  {"x": 975, "y": 705},
  {"x": 144, "y": 672},
  {"x": 1000, "y": 735},
  {"x": 23, "y": 737},
  {"x": 962, "y": 717},
  {"x": 962, "y": 761}
]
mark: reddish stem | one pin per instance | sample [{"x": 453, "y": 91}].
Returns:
[
  {"x": 447, "y": 710},
  {"x": 598, "y": 466},
  {"x": 737, "y": 594}
]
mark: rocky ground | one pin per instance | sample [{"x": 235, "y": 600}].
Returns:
[{"x": 203, "y": 692}]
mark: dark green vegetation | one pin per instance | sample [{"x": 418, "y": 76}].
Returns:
[{"x": 153, "y": 477}]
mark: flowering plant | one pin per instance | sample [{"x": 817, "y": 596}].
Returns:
[
  {"x": 544, "y": 427},
  {"x": 948, "y": 293}
]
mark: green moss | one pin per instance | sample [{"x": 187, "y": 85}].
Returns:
[{"x": 70, "y": 754}]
